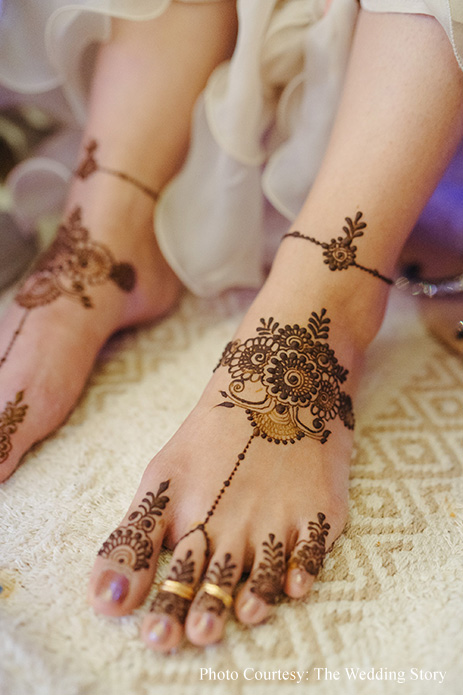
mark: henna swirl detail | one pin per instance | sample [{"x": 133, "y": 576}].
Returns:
[
  {"x": 131, "y": 545},
  {"x": 288, "y": 380}
]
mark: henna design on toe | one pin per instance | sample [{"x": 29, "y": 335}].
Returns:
[
  {"x": 288, "y": 380},
  {"x": 130, "y": 545},
  {"x": 174, "y": 604},
  {"x": 68, "y": 268},
  {"x": 340, "y": 253},
  {"x": 309, "y": 554},
  {"x": 89, "y": 166},
  {"x": 10, "y": 418},
  {"x": 267, "y": 581},
  {"x": 221, "y": 576}
]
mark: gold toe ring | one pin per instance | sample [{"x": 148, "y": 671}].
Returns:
[
  {"x": 182, "y": 590},
  {"x": 217, "y": 592}
]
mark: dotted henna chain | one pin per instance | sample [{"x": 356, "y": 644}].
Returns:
[
  {"x": 89, "y": 166},
  {"x": 340, "y": 253}
]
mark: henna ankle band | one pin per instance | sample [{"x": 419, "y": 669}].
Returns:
[
  {"x": 339, "y": 253},
  {"x": 89, "y": 166}
]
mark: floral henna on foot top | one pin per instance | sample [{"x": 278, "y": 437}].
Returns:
[
  {"x": 309, "y": 554},
  {"x": 72, "y": 264},
  {"x": 288, "y": 381},
  {"x": 130, "y": 545},
  {"x": 10, "y": 418}
]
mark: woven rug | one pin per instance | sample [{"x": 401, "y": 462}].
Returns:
[{"x": 386, "y": 614}]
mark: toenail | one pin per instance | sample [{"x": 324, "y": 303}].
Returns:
[
  {"x": 299, "y": 578},
  {"x": 112, "y": 587},
  {"x": 160, "y": 630},
  {"x": 204, "y": 623},
  {"x": 251, "y": 607}
]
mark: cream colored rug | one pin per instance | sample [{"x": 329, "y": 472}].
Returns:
[{"x": 389, "y": 601}]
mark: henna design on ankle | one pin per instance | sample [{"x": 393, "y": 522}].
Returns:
[
  {"x": 288, "y": 380},
  {"x": 340, "y": 253},
  {"x": 130, "y": 545},
  {"x": 69, "y": 267},
  {"x": 308, "y": 555},
  {"x": 10, "y": 418},
  {"x": 169, "y": 603},
  {"x": 267, "y": 581},
  {"x": 220, "y": 575},
  {"x": 89, "y": 166}
]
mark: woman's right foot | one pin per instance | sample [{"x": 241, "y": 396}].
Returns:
[{"x": 103, "y": 273}]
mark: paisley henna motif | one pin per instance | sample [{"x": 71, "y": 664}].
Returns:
[
  {"x": 131, "y": 545},
  {"x": 12, "y": 416}
]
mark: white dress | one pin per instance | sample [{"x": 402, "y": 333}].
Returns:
[{"x": 260, "y": 127}]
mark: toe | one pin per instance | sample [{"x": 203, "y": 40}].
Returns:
[
  {"x": 265, "y": 584},
  {"x": 124, "y": 569},
  {"x": 307, "y": 556},
  {"x": 164, "y": 626},
  {"x": 211, "y": 607}
]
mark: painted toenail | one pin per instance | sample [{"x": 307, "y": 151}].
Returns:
[
  {"x": 112, "y": 587},
  {"x": 160, "y": 630}
]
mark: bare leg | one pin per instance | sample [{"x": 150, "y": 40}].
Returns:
[
  {"x": 248, "y": 469},
  {"x": 106, "y": 270}
]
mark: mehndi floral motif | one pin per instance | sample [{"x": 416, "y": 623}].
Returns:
[
  {"x": 267, "y": 581},
  {"x": 169, "y": 603},
  {"x": 73, "y": 264},
  {"x": 340, "y": 253},
  {"x": 12, "y": 416},
  {"x": 130, "y": 545},
  {"x": 288, "y": 379},
  {"x": 309, "y": 554}
]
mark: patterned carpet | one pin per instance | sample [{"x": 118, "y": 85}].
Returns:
[{"x": 389, "y": 600}]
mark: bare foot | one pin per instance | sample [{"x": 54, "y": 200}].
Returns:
[
  {"x": 103, "y": 272},
  {"x": 256, "y": 479}
]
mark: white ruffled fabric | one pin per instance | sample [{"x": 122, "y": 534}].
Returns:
[{"x": 260, "y": 127}]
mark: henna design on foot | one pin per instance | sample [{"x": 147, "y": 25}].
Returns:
[
  {"x": 308, "y": 555},
  {"x": 69, "y": 267},
  {"x": 173, "y": 604},
  {"x": 340, "y": 253},
  {"x": 131, "y": 545},
  {"x": 10, "y": 418},
  {"x": 288, "y": 381},
  {"x": 221, "y": 576},
  {"x": 268, "y": 579},
  {"x": 89, "y": 166}
]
